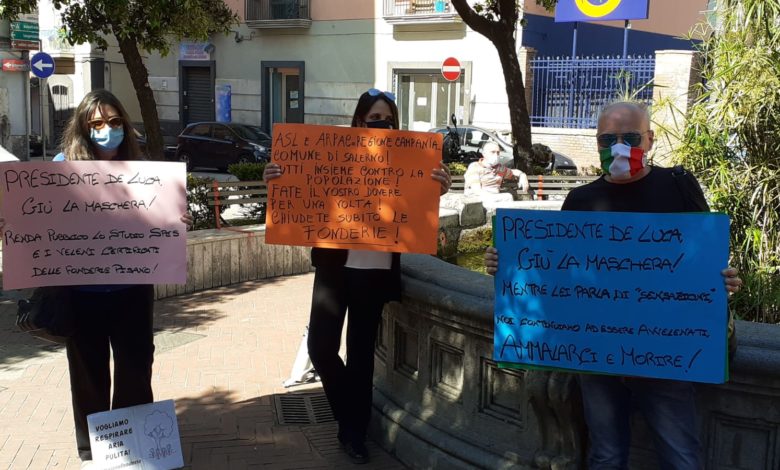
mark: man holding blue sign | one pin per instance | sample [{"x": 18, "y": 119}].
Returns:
[{"x": 588, "y": 268}]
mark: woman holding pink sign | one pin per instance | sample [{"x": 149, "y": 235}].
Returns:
[
  {"x": 357, "y": 283},
  {"x": 118, "y": 317}
]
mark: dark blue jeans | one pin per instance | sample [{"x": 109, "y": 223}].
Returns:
[{"x": 669, "y": 407}]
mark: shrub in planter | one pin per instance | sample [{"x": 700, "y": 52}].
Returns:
[
  {"x": 197, "y": 201},
  {"x": 457, "y": 168}
]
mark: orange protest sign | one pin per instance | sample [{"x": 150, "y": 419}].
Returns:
[{"x": 358, "y": 188}]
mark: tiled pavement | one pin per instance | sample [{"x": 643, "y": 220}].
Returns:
[{"x": 221, "y": 354}]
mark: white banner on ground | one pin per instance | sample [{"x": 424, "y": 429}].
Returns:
[{"x": 144, "y": 437}]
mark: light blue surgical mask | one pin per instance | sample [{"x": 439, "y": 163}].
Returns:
[{"x": 107, "y": 138}]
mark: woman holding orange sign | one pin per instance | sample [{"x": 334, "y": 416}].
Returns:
[{"x": 357, "y": 282}]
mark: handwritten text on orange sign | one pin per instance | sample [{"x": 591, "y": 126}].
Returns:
[{"x": 355, "y": 188}]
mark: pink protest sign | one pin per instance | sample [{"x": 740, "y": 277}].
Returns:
[{"x": 93, "y": 222}]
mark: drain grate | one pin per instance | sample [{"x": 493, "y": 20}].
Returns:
[{"x": 303, "y": 408}]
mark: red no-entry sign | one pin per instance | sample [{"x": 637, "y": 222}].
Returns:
[{"x": 450, "y": 69}]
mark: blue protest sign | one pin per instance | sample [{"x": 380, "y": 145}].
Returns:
[
  {"x": 42, "y": 65},
  {"x": 618, "y": 293},
  {"x": 599, "y": 10}
]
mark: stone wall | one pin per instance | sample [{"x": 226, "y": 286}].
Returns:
[
  {"x": 222, "y": 257},
  {"x": 441, "y": 402},
  {"x": 463, "y": 219},
  {"x": 676, "y": 77},
  {"x": 577, "y": 144}
]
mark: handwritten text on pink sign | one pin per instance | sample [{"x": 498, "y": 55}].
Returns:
[{"x": 93, "y": 222}]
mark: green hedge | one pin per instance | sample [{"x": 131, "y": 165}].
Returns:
[
  {"x": 247, "y": 171},
  {"x": 457, "y": 168},
  {"x": 197, "y": 200}
]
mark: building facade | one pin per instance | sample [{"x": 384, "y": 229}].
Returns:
[
  {"x": 14, "y": 96},
  {"x": 308, "y": 61}
]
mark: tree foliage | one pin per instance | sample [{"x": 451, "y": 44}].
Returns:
[
  {"x": 152, "y": 24},
  {"x": 732, "y": 142},
  {"x": 148, "y": 25},
  {"x": 11, "y": 9},
  {"x": 548, "y": 4}
]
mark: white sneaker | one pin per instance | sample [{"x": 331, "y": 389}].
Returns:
[{"x": 87, "y": 464}]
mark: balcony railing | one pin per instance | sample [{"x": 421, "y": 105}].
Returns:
[
  {"x": 278, "y": 14},
  {"x": 419, "y": 11}
]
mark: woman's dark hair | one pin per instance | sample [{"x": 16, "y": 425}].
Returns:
[
  {"x": 76, "y": 142},
  {"x": 364, "y": 104}
]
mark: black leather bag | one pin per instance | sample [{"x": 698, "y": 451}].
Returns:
[{"x": 47, "y": 314}]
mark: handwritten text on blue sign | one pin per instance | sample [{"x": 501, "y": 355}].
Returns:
[{"x": 621, "y": 293}]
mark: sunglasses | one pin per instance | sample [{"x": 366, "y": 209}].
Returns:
[
  {"x": 376, "y": 92},
  {"x": 115, "y": 122},
  {"x": 632, "y": 139}
]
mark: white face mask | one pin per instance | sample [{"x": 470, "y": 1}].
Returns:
[
  {"x": 620, "y": 169},
  {"x": 491, "y": 159}
]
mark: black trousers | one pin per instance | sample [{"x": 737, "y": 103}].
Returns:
[
  {"x": 362, "y": 293},
  {"x": 123, "y": 320}
]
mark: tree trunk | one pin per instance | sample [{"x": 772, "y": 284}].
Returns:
[
  {"x": 515, "y": 92},
  {"x": 501, "y": 33},
  {"x": 140, "y": 77}
]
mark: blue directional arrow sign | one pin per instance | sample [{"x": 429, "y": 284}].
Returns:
[{"x": 42, "y": 65}]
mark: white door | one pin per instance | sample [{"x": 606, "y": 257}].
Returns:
[{"x": 426, "y": 100}]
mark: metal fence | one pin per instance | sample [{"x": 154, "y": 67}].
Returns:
[{"x": 570, "y": 92}]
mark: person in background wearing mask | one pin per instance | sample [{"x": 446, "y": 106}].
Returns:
[
  {"x": 629, "y": 184},
  {"x": 116, "y": 315},
  {"x": 357, "y": 282},
  {"x": 483, "y": 178}
]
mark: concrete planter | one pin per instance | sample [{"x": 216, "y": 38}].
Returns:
[
  {"x": 218, "y": 258},
  {"x": 441, "y": 402}
]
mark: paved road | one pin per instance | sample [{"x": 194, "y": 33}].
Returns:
[{"x": 221, "y": 354}]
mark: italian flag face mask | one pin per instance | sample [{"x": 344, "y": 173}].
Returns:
[{"x": 621, "y": 162}]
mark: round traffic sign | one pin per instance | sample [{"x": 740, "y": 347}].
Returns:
[
  {"x": 42, "y": 65},
  {"x": 450, "y": 69}
]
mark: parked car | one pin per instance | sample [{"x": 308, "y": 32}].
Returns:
[
  {"x": 473, "y": 138},
  {"x": 169, "y": 142},
  {"x": 217, "y": 145}
]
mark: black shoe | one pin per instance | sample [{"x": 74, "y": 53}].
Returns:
[{"x": 356, "y": 451}]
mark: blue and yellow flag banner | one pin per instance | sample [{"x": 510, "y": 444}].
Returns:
[{"x": 599, "y": 10}]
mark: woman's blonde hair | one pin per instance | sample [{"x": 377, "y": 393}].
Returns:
[{"x": 76, "y": 143}]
